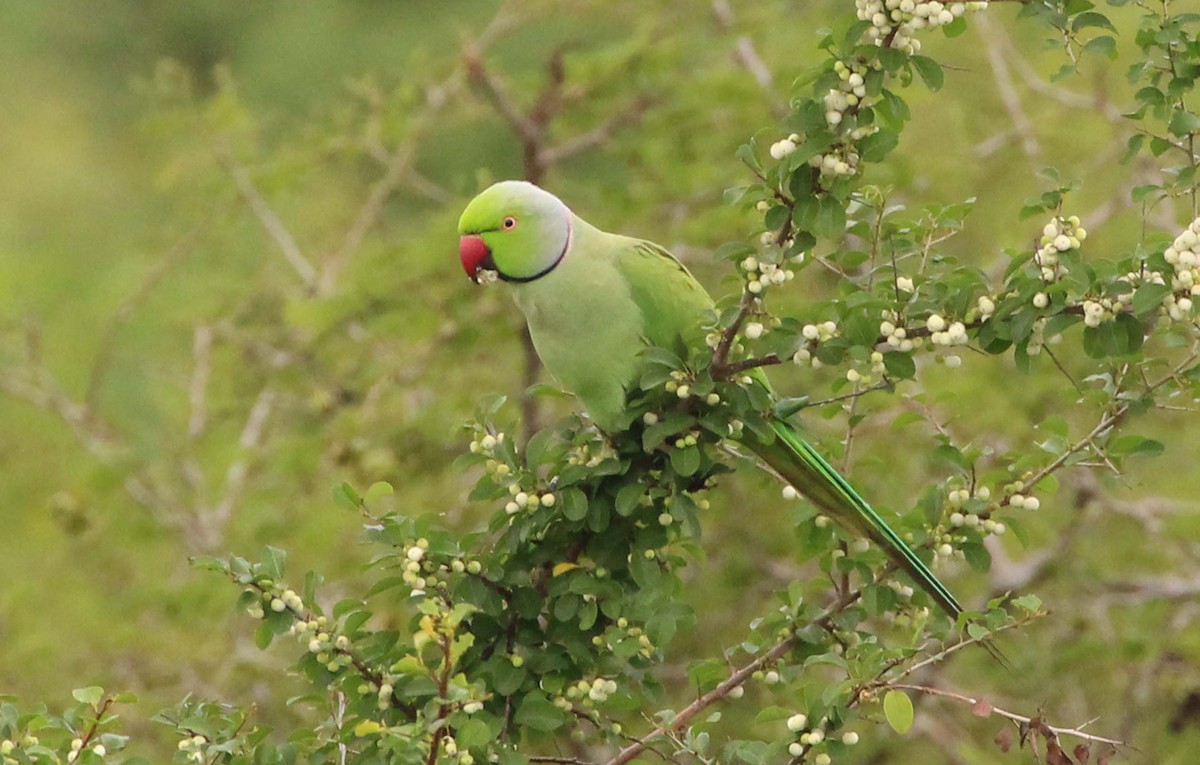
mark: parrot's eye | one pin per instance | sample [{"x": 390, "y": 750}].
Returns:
[{"x": 509, "y": 223}]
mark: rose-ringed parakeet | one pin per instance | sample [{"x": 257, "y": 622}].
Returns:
[{"x": 594, "y": 300}]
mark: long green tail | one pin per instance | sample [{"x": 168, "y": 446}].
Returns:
[{"x": 808, "y": 472}]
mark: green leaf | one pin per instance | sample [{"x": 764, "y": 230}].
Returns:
[
  {"x": 1149, "y": 297},
  {"x": 1184, "y": 123},
  {"x": 685, "y": 461},
  {"x": 345, "y": 495},
  {"x": 90, "y": 695},
  {"x": 274, "y": 561},
  {"x": 474, "y": 733},
  {"x": 745, "y": 153},
  {"x": 574, "y": 504},
  {"x": 627, "y": 498},
  {"x": 830, "y": 221},
  {"x": 1135, "y": 446},
  {"x": 1028, "y": 602},
  {"x": 378, "y": 490},
  {"x": 1104, "y": 45},
  {"x": 537, "y": 712},
  {"x": 900, "y": 365},
  {"x": 1092, "y": 19},
  {"x": 977, "y": 556},
  {"x": 898, "y": 710},
  {"x": 876, "y": 146},
  {"x": 929, "y": 70}
]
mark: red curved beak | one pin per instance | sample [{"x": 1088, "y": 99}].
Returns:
[{"x": 474, "y": 254}]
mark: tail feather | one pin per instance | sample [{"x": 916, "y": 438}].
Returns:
[{"x": 802, "y": 466}]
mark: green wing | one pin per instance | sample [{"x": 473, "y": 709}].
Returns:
[{"x": 672, "y": 303}]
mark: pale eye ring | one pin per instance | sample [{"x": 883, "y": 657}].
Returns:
[{"x": 510, "y": 222}]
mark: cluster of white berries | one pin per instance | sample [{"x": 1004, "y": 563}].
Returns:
[
  {"x": 1184, "y": 258},
  {"x": 893, "y": 333},
  {"x": 596, "y": 690},
  {"x": 330, "y": 650},
  {"x": 195, "y": 747},
  {"x": 450, "y": 745},
  {"x": 760, "y": 274},
  {"x": 77, "y": 746},
  {"x": 276, "y": 597},
  {"x": 905, "y": 17},
  {"x": 486, "y": 443},
  {"x": 1058, "y": 236},
  {"x": 8, "y": 747},
  {"x": 527, "y": 500},
  {"x": 877, "y": 370},
  {"x": 1037, "y": 337},
  {"x": 583, "y": 454},
  {"x": 414, "y": 562},
  {"x": 784, "y": 147},
  {"x": 962, "y": 516},
  {"x": 814, "y": 334},
  {"x": 810, "y": 737},
  {"x": 942, "y": 332},
  {"x": 1099, "y": 310},
  {"x": 622, "y": 630},
  {"x": 905, "y": 591}
]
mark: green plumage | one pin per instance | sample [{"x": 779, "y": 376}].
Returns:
[{"x": 609, "y": 296}]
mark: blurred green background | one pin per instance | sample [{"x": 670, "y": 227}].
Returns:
[{"x": 228, "y": 281}]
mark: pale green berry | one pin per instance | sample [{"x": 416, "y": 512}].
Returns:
[
  {"x": 797, "y": 722},
  {"x": 850, "y": 738}
]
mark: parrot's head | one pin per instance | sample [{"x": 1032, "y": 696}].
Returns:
[{"x": 515, "y": 231}]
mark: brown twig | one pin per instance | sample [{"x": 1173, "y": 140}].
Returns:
[
  {"x": 1077, "y": 733},
  {"x": 270, "y": 221},
  {"x": 736, "y": 679}
]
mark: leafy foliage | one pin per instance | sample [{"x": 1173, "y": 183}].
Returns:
[{"x": 555, "y": 622}]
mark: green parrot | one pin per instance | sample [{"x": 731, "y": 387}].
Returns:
[{"x": 593, "y": 300}]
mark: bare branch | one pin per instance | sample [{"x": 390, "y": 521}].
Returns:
[
  {"x": 202, "y": 337},
  {"x": 1077, "y": 733},
  {"x": 595, "y": 137},
  {"x": 175, "y": 255},
  {"x": 746, "y": 55},
  {"x": 235, "y": 474},
  {"x": 497, "y": 95},
  {"x": 1008, "y": 92},
  {"x": 736, "y": 679},
  {"x": 267, "y": 217}
]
